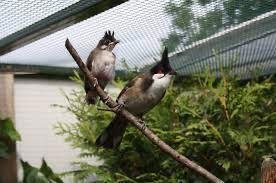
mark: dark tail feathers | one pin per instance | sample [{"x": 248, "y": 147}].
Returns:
[{"x": 113, "y": 134}]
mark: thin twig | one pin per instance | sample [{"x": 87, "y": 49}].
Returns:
[{"x": 137, "y": 122}]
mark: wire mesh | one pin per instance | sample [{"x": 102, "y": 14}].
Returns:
[
  {"x": 18, "y": 14},
  {"x": 197, "y": 32}
]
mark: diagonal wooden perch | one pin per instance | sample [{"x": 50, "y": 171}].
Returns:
[{"x": 137, "y": 122}]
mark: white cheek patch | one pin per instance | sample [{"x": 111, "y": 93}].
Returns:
[
  {"x": 157, "y": 76},
  {"x": 161, "y": 81}
]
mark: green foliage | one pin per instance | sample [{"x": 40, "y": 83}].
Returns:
[
  {"x": 225, "y": 125},
  {"x": 44, "y": 174},
  {"x": 7, "y": 130},
  {"x": 191, "y": 26}
]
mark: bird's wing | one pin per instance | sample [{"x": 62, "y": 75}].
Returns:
[
  {"x": 90, "y": 60},
  {"x": 142, "y": 81},
  {"x": 127, "y": 86}
]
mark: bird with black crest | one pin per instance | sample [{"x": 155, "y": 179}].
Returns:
[
  {"x": 101, "y": 63},
  {"x": 139, "y": 96}
]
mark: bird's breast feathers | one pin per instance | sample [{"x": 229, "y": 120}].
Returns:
[
  {"x": 158, "y": 87},
  {"x": 103, "y": 65},
  {"x": 160, "y": 83}
]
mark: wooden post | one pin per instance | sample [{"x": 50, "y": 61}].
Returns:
[
  {"x": 268, "y": 171},
  {"x": 8, "y": 167}
]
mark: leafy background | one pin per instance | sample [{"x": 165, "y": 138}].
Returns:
[
  {"x": 225, "y": 125},
  {"x": 7, "y": 131}
]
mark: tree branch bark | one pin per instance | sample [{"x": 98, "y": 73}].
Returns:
[
  {"x": 137, "y": 122},
  {"x": 268, "y": 171}
]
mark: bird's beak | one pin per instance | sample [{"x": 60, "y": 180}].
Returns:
[
  {"x": 114, "y": 42},
  {"x": 173, "y": 72}
]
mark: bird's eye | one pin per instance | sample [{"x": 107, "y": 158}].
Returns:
[{"x": 107, "y": 42}]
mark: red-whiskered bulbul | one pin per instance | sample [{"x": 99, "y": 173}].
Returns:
[
  {"x": 139, "y": 96},
  {"x": 101, "y": 62}
]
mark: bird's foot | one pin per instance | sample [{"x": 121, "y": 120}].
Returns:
[
  {"x": 95, "y": 80},
  {"x": 119, "y": 107},
  {"x": 143, "y": 124},
  {"x": 106, "y": 99}
]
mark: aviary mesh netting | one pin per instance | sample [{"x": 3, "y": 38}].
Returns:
[{"x": 199, "y": 33}]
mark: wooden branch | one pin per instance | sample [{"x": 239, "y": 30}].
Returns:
[
  {"x": 137, "y": 122},
  {"x": 268, "y": 171}
]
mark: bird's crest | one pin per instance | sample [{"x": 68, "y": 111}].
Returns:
[
  {"x": 163, "y": 66},
  {"x": 165, "y": 58},
  {"x": 109, "y": 35}
]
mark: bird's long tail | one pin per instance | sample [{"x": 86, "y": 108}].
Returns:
[{"x": 113, "y": 134}]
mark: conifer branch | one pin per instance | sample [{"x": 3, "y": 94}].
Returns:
[{"x": 137, "y": 122}]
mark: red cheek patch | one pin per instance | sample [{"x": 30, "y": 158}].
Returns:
[{"x": 160, "y": 71}]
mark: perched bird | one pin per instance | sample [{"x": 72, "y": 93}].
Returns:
[
  {"x": 139, "y": 96},
  {"x": 101, "y": 62}
]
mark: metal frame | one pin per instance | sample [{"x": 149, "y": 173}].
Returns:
[
  {"x": 42, "y": 70},
  {"x": 55, "y": 22},
  {"x": 36, "y": 69}
]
